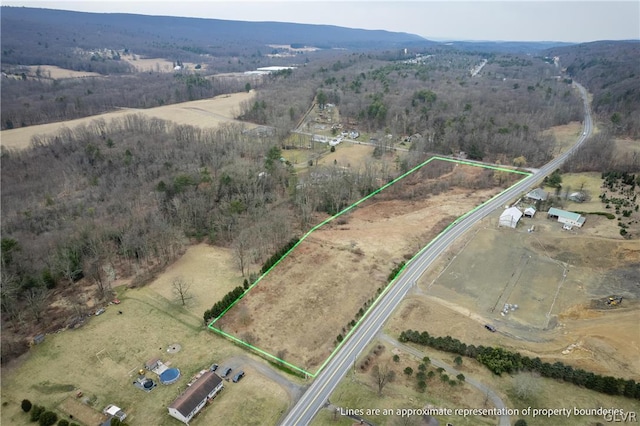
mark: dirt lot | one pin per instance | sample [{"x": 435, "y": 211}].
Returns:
[
  {"x": 317, "y": 290},
  {"x": 490, "y": 267},
  {"x": 114, "y": 346},
  {"x": 207, "y": 113}
]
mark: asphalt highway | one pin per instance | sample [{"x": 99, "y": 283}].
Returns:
[{"x": 326, "y": 381}]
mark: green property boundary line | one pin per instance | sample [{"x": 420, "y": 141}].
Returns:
[{"x": 387, "y": 287}]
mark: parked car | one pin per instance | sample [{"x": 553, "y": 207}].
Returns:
[
  {"x": 227, "y": 372},
  {"x": 490, "y": 328},
  {"x": 238, "y": 376},
  {"x": 100, "y": 311},
  {"x": 213, "y": 367}
]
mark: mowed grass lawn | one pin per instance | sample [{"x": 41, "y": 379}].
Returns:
[{"x": 102, "y": 358}]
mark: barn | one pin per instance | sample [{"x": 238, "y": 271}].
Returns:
[
  {"x": 567, "y": 218},
  {"x": 195, "y": 397},
  {"x": 510, "y": 217}
]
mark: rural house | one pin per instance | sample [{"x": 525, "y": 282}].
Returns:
[
  {"x": 538, "y": 194},
  {"x": 567, "y": 218},
  {"x": 510, "y": 217},
  {"x": 195, "y": 397}
]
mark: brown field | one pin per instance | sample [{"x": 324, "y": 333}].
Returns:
[
  {"x": 155, "y": 64},
  {"x": 565, "y": 135},
  {"x": 318, "y": 289},
  {"x": 490, "y": 267},
  {"x": 100, "y": 358},
  {"x": 627, "y": 148},
  {"x": 206, "y": 113},
  {"x": 57, "y": 73}
]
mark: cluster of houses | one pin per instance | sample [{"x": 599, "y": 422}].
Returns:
[{"x": 512, "y": 215}]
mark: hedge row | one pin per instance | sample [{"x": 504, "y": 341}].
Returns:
[
  {"x": 222, "y": 305},
  {"x": 278, "y": 255},
  {"x": 500, "y": 361}
]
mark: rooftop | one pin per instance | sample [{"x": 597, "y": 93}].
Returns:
[{"x": 196, "y": 393}]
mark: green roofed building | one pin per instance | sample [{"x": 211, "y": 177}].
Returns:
[{"x": 568, "y": 218}]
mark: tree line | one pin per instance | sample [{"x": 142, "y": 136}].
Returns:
[
  {"x": 500, "y": 360},
  {"x": 39, "y": 100}
]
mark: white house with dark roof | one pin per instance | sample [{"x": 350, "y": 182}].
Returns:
[
  {"x": 568, "y": 218},
  {"x": 195, "y": 397}
]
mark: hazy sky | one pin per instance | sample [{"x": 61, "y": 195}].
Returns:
[{"x": 514, "y": 20}]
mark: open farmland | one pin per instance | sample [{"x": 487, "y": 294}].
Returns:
[
  {"x": 115, "y": 346},
  {"x": 56, "y": 73},
  {"x": 316, "y": 291},
  {"x": 207, "y": 113},
  {"x": 556, "y": 313},
  {"x": 153, "y": 64}
]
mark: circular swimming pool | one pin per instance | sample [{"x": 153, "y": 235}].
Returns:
[{"x": 169, "y": 376}]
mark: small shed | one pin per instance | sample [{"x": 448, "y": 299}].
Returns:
[
  {"x": 529, "y": 212},
  {"x": 152, "y": 364},
  {"x": 510, "y": 217},
  {"x": 115, "y": 411}
]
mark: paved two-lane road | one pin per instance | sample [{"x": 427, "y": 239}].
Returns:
[{"x": 326, "y": 381}]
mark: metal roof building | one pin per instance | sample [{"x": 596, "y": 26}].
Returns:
[{"x": 568, "y": 218}]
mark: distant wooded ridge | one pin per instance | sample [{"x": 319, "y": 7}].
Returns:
[{"x": 30, "y": 34}]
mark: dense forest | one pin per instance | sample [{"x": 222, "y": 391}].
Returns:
[
  {"x": 610, "y": 71},
  {"x": 497, "y": 116}
]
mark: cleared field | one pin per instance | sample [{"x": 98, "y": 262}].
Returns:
[
  {"x": 316, "y": 291},
  {"x": 57, "y": 73},
  {"x": 627, "y": 148},
  {"x": 565, "y": 135},
  {"x": 206, "y": 113},
  {"x": 100, "y": 358},
  {"x": 491, "y": 267},
  {"x": 154, "y": 64},
  {"x": 208, "y": 271}
]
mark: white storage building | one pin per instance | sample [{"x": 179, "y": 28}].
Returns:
[{"x": 510, "y": 217}]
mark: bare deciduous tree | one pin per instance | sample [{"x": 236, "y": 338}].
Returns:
[
  {"x": 36, "y": 299},
  {"x": 526, "y": 385},
  {"x": 383, "y": 375},
  {"x": 181, "y": 289}
]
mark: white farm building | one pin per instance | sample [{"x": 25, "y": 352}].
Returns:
[
  {"x": 568, "y": 218},
  {"x": 510, "y": 217}
]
